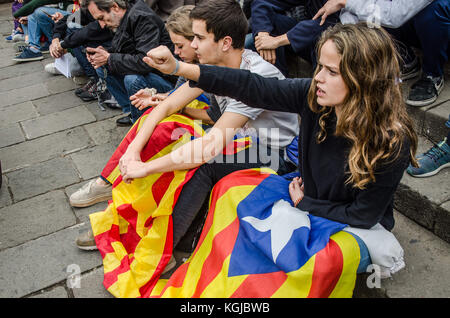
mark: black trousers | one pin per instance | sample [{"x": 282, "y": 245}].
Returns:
[{"x": 191, "y": 208}]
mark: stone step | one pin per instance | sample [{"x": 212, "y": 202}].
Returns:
[
  {"x": 426, "y": 200},
  {"x": 426, "y": 272}
]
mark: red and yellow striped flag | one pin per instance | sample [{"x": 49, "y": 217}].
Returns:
[{"x": 234, "y": 258}]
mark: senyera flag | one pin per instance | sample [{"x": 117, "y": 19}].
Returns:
[{"x": 253, "y": 243}]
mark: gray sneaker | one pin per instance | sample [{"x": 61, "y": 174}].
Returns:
[
  {"x": 86, "y": 241},
  {"x": 91, "y": 193}
]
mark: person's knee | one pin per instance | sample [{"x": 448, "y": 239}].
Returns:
[
  {"x": 40, "y": 15},
  {"x": 434, "y": 12},
  {"x": 133, "y": 83}
]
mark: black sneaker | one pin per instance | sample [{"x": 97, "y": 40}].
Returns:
[
  {"x": 92, "y": 81},
  {"x": 90, "y": 94},
  {"x": 410, "y": 70},
  {"x": 105, "y": 98},
  {"x": 425, "y": 91}
]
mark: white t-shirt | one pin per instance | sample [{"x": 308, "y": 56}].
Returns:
[{"x": 261, "y": 122}]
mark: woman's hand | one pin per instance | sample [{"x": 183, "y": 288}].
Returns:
[
  {"x": 296, "y": 190},
  {"x": 143, "y": 99},
  {"x": 129, "y": 157},
  {"x": 132, "y": 170}
]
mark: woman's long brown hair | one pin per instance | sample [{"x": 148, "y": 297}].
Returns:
[{"x": 373, "y": 115}]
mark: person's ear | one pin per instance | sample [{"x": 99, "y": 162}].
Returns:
[
  {"x": 114, "y": 7},
  {"x": 227, "y": 43}
]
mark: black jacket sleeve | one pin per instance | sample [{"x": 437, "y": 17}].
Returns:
[
  {"x": 369, "y": 206},
  {"x": 146, "y": 36},
  {"x": 288, "y": 95},
  {"x": 91, "y": 35}
]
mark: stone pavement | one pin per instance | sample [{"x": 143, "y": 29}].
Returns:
[{"x": 51, "y": 143}]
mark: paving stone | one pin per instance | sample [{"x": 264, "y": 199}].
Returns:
[
  {"x": 83, "y": 213},
  {"x": 43, "y": 262},
  {"x": 40, "y": 178},
  {"x": 16, "y": 113},
  {"x": 5, "y": 197},
  {"x": 31, "y": 152},
  {"x": 106, "y": 131},
  {"x": 57, "y": 292},
  {"x": 11, "y": 135},
  {"x": 58, "y": 121},
  {"x": 103, "y": 114},
  {"x": 20, "y": 69},
  {"x": 90, "y": 162},
  {"x": 20, "y": 95},
  {"x": 57, "y": 102},
  {"x": 427, "y": 258},
  {"x": 59, "y": 84},
  {"x": 6, "y": 27},
  {"x": 91, "y": 286},
  {"x": 23, "y": 81},
  {"x": 35, "y": 217}
]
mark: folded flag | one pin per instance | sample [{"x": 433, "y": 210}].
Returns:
[{"x": 255, "y": 244}]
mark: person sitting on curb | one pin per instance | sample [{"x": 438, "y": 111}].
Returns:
[
  {"x": 354, "y": 123},
  {"x": 39, "y": 23},
  {"x": 420, "y": 23},
  {"x": 75, "y": 32},
  {"x": 220, "y": 28},
  {"x": 274, "y": 32},
  {"x": 179, "y": 26},
  {"x": 137, "y": 29}
]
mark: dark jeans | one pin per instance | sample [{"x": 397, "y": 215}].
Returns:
[
  {"x": 428, "y": 30},
  {"x": 123, "y": 86},
  {"x": 192, "y": 204}
]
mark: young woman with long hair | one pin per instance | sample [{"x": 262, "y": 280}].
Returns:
[{"x": 356, "y": 138}]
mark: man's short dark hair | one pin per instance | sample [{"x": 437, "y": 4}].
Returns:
[
  {"x": 223, "y": 18},
  {"x": 105, "y": 5}
]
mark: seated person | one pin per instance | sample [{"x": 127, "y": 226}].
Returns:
[
  {"x": 17, "y": 33},
  {"x": 356, "y": 138},
  {"x": 137, "y": 29},
  {"x": 423, "y": 24},
  {"x": 274, "y": 31},
  {"x": 77, "y": 36},
  {"x": 220, "y": 28},
  {"x": 179, "y": 26},
  {"x": 39, "y": 23}
]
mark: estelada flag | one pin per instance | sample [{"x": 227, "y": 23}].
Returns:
[
  {"x": 134, "y": 233},
  {"x": 256, "y": 244}
]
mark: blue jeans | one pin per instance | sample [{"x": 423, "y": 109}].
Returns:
[
  {"x": 39, "y": 23},
  {"x": 123, "y": 86},
  {"x": 428, "y": 30}
]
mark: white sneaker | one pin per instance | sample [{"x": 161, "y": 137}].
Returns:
[
  {"x": 18, "y": 37},
  {"x": 50, "y": 68},
  {"x": 91, "y": 193}
]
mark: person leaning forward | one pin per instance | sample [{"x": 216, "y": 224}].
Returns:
[{"x": 137, "y": 29}]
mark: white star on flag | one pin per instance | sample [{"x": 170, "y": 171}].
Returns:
[{"x": 283, "y": 221}]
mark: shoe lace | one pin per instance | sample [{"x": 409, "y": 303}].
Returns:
[
  {"x": 436, "y": 152},
  {"x": 425, "y": 83}
]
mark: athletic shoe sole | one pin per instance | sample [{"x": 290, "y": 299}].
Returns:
[
  {"x": 408, "y": 76},
  {"x": 432, "y": 173},
  {"x": 93, "y": 201},
  {"x": 87, "y": 248},
  {"x": 419, "y": 103},
  {"x": 38, "y": 58}
]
